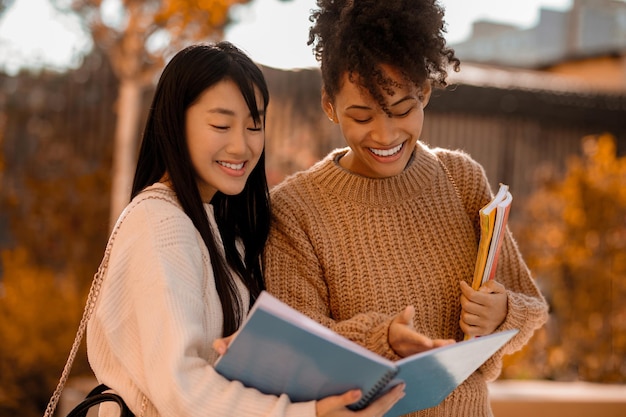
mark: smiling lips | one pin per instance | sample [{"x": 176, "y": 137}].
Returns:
[
  {"x": 386, "y": 152},
  {"x": 229, "y": 165}
]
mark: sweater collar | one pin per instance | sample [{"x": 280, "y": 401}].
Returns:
[
  {"x": 171, "y": 195},
  {"x": 417, "y": 177}
]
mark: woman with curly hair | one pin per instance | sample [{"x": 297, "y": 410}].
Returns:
[{"x": 378, "y": 240}]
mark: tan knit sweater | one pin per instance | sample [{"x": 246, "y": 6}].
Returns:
[{"x": 352, "y": 252}]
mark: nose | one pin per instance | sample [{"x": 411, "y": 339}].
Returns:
[
  {"x": 384, "y": 131},
  {"x": 237, "y": 142}
]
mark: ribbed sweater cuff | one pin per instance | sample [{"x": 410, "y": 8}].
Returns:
[
  {"x": 524, "y": 313},
  {"x": 379, "y": 341},
  {"x": 304, "y": 409}
]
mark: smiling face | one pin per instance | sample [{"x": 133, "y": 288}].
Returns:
[
  {"x": 224, "y": 141},
  {"x": 380, "y": 144}
]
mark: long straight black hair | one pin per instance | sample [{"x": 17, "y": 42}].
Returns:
[{"x": 245, "y": 216}]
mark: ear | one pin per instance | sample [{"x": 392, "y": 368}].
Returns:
[
  {"x": 328, "y": 108},
  {"x": 427, "y": 89}
]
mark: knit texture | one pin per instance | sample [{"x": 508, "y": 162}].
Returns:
[
  {"x": 352, "y": 252},
  {"x": 157, "y": 315}
]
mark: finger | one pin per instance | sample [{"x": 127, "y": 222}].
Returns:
[
  {"x": 466, "y": 303},
  {"x": 466, "y": 289},
  {"x": 347, "y": 398},
  {"x": 336, "y": 403},
  {"x": 472, "y": 307},
  {"x": 220, "y": 346},
  {"x": 443, "y": 342},
  {"x": 385, "y": 402},
  {"x": 470, "y": 319},
  {"x": 487, "y": 288},
  {"x": 469, "y": 330},
  {"x": 422, "y": 341},
  {"x": 406, "y": 317},
  {"x": 479, "y": 298},
  {"x": 493, "y": 287},
  {"x": 470, "y": 294}
]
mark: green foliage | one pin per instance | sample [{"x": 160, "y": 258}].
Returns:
[
  {"x": 39, "y": 314},
  {"x": 574, "y": 241}
]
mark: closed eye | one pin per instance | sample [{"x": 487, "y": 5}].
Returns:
[
  {"x": 220, "y": 127},
  {"x": 406, "y": 113}
]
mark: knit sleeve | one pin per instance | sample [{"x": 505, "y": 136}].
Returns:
[
  {"x": 294, "y": 274},
  {"x": 470, "y": 181},
  {"x": 527, "y": 308},
  {"x": 150, "y": 333}
]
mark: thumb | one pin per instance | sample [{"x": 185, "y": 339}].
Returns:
[
  {"x": 330, "y": 405},
  {"x": 349, "y": 397},
  {"x": 492, "y": 286},
  {"x": 220, "y": 346},
  {"x": 406, "y": 317}
]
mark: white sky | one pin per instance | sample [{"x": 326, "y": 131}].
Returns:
[{"x": 274, "y": 33}]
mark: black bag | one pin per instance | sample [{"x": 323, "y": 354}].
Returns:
[{"x": 96, "y": 397}]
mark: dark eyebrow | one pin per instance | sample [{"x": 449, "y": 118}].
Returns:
[
  {"x": 357, "y": 107},
  {"x": 221, "y": 110},
  {"x": 227, "y": 112},
  {"x": 402, "y": 100}
]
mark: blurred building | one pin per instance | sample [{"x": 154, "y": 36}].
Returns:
[
  {"x": 586, "y": 42},
  {"x": 521, "y": 124}
]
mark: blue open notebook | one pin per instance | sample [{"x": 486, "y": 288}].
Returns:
[{"x": 280, "y": 350}]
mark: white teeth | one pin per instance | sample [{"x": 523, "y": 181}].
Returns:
[
  {"x": 386, "y": 152},
  {"x": 231, "y": 166}
]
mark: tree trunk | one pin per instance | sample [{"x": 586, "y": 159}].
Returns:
[{"x": 125, "y": 146}]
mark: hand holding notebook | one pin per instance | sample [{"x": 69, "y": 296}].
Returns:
[{"x": 280, "y": 350}]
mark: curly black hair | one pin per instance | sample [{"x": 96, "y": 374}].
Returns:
[{"x": 358, "y": 36}]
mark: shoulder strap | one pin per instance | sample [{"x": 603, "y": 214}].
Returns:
[{"x": 90, "y": 305}]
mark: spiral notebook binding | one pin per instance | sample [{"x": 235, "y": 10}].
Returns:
[{"x": 372, "y": 393}]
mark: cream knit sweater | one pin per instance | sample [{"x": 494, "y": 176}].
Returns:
[
  {"x": 351, "y": 252},
  {"x": 157, "y": 316}
]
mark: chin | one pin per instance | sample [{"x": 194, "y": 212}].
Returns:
[{"x": 232, "y": 190}]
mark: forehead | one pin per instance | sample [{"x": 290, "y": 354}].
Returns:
[
  {"x": 352, "y": 90},
  {"x": 227, "y": 91}
]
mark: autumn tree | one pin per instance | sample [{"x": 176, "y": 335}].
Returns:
[
  {"x": 56, "y": 246},
  {"x": 575, "y": 242},
  {"x": 138, "y": 37},
  {"x": 54, "y": 205},
  {"x": 39, "y": 314}
]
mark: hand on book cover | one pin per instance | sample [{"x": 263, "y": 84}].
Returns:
[
  {"x": 337, "y": 405},
  {"x": 484, "y": 310},
  {"x": 279, "y": 350},
  {"x": 405, "y": 341}
]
